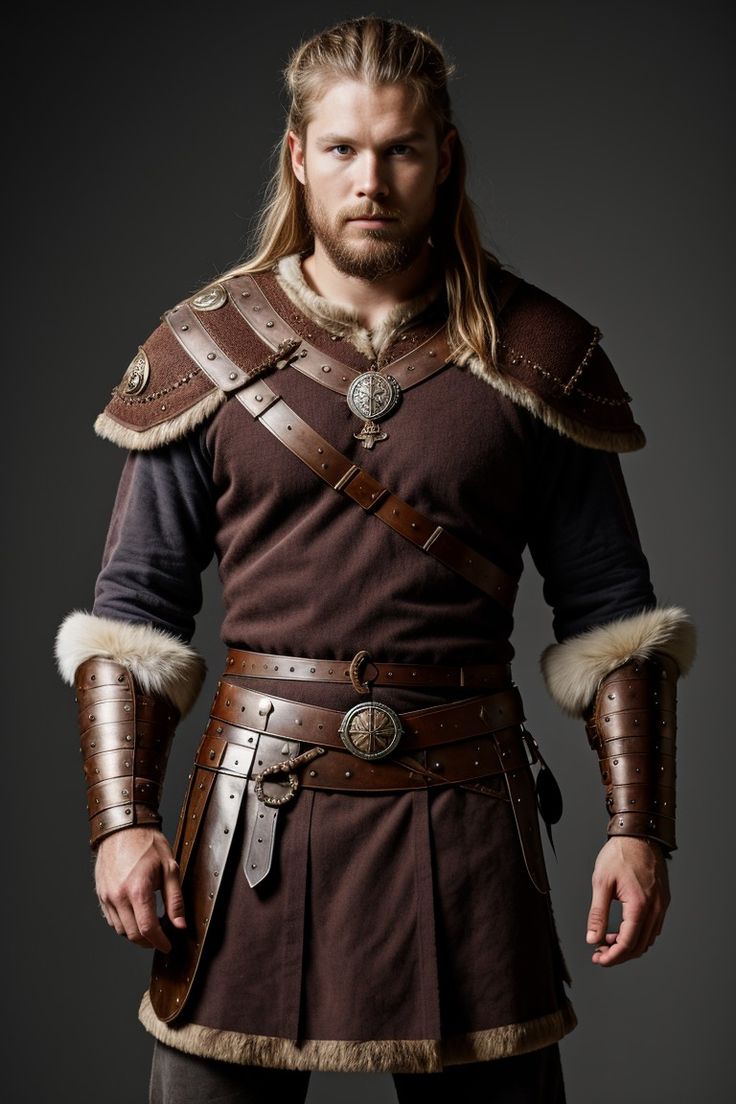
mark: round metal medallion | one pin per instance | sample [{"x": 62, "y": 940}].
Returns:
[
  {"x": 136, "y": 374},
  {"x": 371, "y": 730},
  {"x": 210, "y": 299},
  {"x": 373, "y": 395}
]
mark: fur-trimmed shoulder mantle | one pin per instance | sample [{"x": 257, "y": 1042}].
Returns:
[{"x": 549, "y": 361}]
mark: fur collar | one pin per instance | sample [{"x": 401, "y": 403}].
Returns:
[{"x": 343, "y": 321}]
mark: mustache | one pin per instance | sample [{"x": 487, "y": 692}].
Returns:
[{"x": 372, "y": 212}]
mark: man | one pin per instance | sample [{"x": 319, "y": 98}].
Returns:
[{"x": 357, "y": 880}]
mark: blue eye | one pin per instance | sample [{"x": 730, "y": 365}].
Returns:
[{"x": 342, "y": 146}]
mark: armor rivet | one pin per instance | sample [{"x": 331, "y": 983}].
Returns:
[
  {"x": 219, "y": 731},
  {"x": 92, "y": 678},
  {"x": 620, "y": 823},
  {"x": 216, "y": 873},
  {"x": 93, "y": 744},
  {"x": 612, "y": 696},
  {"x": 312, "y": 669},
  {"x": 270, "y": 325},
  {"x": 437, "y": 766},
  {"x": 126, "y": 708},
  {"x": 127, "y": 812},
  {"x": 334, "y": 337},
  {"x": 233, "y": 375},
  {"x": 226, "y": 831},
  {"x": 320, "y": 450},
  {"x": 124, "y": 793},
  {"x": 227, "y": 701},
  {"x": 201, "y": 785},
  {"x": 121, "y": 678},
  {"x": 326, "y": 368},
  {"x": 128, "y": 737},
  {"x": 615, "y": 761},
  {"x": 211, "y": 895},
  {"x": 348, "y": 774},
  {"x": 232, "y": 796},
  {"x": 476, "y": 763},
  {"x": 312, "y": 773},
  {"x": 410, "y": 368},
  {"x": 245, "y": 294},
  {"x": 253, "y": 866},
  {"x": 185, "y": 326},
  {"x": 297, "y": 720},
  {"x": 212, "y": 755}
]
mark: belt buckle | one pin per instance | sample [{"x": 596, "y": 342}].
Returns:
[{"x": 371, "y": 730}]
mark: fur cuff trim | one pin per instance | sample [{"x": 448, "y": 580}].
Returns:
[
  {"x": 361, "y": 1055},
  {"x": 573, "y": 669},
  {"x": 159, "y": 662},
  {"x": 161, "y": 434}
]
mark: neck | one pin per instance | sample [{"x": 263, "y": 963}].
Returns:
[{"x": 370, "y": 299}]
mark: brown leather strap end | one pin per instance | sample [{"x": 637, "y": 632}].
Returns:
[
  {"x": 125, "y": 740},
  {"x": 632, "y": 725}
]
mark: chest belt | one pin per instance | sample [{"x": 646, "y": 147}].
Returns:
[{"x": 337, "y": 470}]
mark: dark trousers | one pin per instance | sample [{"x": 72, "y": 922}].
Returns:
[{"x": 533, "y": 1078}]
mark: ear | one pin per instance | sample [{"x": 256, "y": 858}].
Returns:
[
  {"x": 296, "y": 149},
  {"x": 445, "y": 155}
]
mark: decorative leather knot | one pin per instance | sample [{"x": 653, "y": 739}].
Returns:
[{"x": 354, "y": 671}]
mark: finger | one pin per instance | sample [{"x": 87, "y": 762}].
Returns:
[
  {"x": 627, "y": 939},
  {"x": 599, "y": 910},
  {"x": 172, "y": 895},
  {"x": 148, "y": 924},
  {"x": 113, "y": 919},
  {"x": 130, "y": 924}
]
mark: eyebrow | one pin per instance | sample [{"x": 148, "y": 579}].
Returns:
[{"x": 341, "y": 139}]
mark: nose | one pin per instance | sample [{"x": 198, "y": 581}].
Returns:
[{"x": 370, "y": 181}]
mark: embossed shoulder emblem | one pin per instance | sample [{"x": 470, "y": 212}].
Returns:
[
  {"x": 210, "y": 299},
  {"x": 136, "y": 374}
]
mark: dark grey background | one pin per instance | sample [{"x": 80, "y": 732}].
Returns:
[{"x": 139, "y": 141}]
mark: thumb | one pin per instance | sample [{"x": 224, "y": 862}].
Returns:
[
  {"x": 598, "y": 914},
  {"x": 173, "y": 897}
]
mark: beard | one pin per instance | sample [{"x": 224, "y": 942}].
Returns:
[{"x": 381, "y": 252}]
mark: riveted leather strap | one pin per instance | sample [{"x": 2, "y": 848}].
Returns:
[
  {"x": 481, "y": 676},
  {"x": 423, "y": 728},
  {"x": 125, "y": 741},
  {"x": 632, "y": 723}
]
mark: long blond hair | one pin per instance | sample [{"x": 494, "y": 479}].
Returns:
[{"x": 378, "y": 52}]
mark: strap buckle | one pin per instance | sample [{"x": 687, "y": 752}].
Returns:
[{"x": 289, "y": 766}]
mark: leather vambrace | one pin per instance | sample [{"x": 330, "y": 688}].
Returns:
[
  {"x": 632, "y": 724},
  {"x": 125, "y": 740}
]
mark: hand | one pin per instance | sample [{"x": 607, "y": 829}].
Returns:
[
  {"x": 131, "y": 865},
  {"x": 634, "y": 871}
]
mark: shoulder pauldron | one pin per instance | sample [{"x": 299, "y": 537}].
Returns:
[
  {"x": 551, "y": 362},
  {"x": 164, "y": 393}
]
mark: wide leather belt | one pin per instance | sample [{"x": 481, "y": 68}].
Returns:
[
  {"x": 363, "y": 671},
  {"x": 242, "y": 707}
]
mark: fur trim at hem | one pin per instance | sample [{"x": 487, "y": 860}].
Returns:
[
  {"x": 159, "y": 662},
  {"x": 144, "y": 439},
  {"x": 606, "y": 440},
  {"x": 361, "y": 1056},
  {"x": 573, "y": 669}
]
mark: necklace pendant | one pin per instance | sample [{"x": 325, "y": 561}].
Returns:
[{"x": 370, "y": 433}]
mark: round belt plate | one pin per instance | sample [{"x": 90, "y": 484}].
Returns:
[
  {"x": 373, "y": 395},
  {"x": 371, "y": 730}
]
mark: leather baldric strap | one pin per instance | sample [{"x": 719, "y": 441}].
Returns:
[
  {"x": 337, "y": 470},
  {"x": 362, "y": 671}
]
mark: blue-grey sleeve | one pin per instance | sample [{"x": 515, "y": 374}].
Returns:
[
  {"x": 583, "y": 537},
  {"x": 160, "y": 538}
]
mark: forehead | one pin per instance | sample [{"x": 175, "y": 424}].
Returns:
[{"x": 372, "y": 113}]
